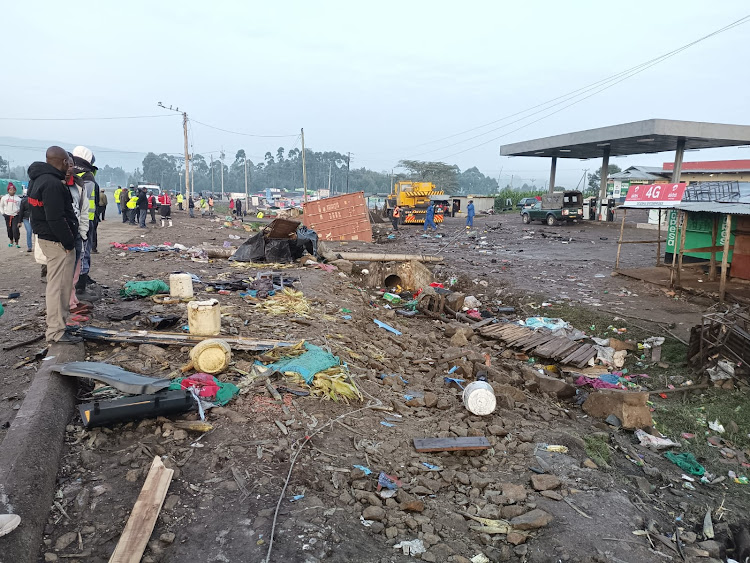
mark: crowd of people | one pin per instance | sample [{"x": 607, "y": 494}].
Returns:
[{"x": 136, "y": 205}]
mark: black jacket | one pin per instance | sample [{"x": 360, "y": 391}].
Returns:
[
  {"x": 24, "y": 211},
  {"x": 52, "y": 216},
  {"x": 142, "y": 201}
]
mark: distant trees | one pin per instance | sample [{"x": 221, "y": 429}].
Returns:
[{"x": 596, "y": 178}]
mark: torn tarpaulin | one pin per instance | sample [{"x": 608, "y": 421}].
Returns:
[
  {"x": 308, "y": 364},
  {"x": 278, "y": 243}
]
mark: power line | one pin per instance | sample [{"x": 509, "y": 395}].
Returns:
[
  {"x": 617, "y": 78},
  {"x": 239, "y": 133},
  {"x": 83, "y": 118}
]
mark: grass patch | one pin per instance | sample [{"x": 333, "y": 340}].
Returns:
[{"x": 597, "y": 448}]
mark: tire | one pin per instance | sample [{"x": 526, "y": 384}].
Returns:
[
  {"x": 526, "y": 218},
  {"x": 551, "y": 221}
]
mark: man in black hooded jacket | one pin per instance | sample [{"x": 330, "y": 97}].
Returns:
[{"x": 54, "y": 222}]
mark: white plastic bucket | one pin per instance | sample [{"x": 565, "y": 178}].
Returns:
[
  {"x": 479, "y": 398},
  {"x": 204, "y": 317},
  {"x": 211, "y": 355},
  {"x": 181, "y": 286}
]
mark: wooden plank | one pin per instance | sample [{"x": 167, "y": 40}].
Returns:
[
  {"x": 725, "y": 260},
  {"x": 451, "y": 444},
  {"x": 565, "y": 349},
  {"x": 551, "y": 345},
  {"x": 142, "y": 520},
  {"x": 537, "y": 342},
  {"x": 584, "y": 360},
  {"x": 572, "y": 354}
]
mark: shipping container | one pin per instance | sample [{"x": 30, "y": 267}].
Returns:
[{"x": 343, "y": 217}]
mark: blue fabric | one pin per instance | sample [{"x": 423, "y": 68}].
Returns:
[
  {"x": 86, "y": 256},
  {"x": 308, "y": 364},
  {"x": 119, "y": 210},
  {"x": 429, "y": 223},
  {"x": 27, "y": 227},
  {"x": 470, "y": 215},
  {"x": 430, "y": 215}
]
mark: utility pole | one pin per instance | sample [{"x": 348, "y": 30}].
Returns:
[
  {"x": 222, "y": 173},
  {"x": 348, "y": 160},
  {"x": 304, "y": 167},
  {"x": 245, "y": 181},
  {"x": 192, "y": 178},
  {"x": 212, "y": 172},
  {"x": 188, "y": 191}
]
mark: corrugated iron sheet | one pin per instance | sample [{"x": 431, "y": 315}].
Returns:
[{"x": 343, "y": 217}]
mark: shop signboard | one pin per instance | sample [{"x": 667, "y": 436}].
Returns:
[{"x": 655, "y": 195}]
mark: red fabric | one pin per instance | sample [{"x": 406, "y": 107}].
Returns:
[
  {"x": 164, "y": 199},
  {"x": 203, "y": 383},
  {"x": 231, "y": 204},
  {"x": 150, "y": 201}
]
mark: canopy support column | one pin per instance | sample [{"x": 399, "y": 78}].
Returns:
[
  {"x": 552, "y": 171},
  {"x": 679, "y": 153}
]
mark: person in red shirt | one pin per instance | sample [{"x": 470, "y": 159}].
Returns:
[
  {"x": 165, "y": 208},
  {"x": 152, "y": 206},
  {"x": 231, "y": 205}
]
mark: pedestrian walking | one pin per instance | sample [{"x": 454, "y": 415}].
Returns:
[
  {"x": 429, "y": 217},
  {"x": 102, "y": 204},
  {"x": 117, "y": 194},
  {"x": 10, "y": 204},
  {"x": 395, "y": 217},
  {"x": 180, "y": 199},
  {"x": 191, "y": 207},
  {"x": 54, "y": 222},
  {"x": 470, "y": 214},
  {"x": 165, "y": 208},
  {"x": 24, "y": 212}
]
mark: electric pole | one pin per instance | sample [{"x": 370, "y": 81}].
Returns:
[
  {"x": 304, "y": 167},
  {"x": 188, "y": 191},
  {"x": 222, "y": 173},
  {"x": 212, "y": 173},
  {"x": 348, "y": 160},
  {"x": 245, "y": 181}
]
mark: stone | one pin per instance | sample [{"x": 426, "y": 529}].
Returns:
[
  {"x": 415, "y": 402},
  {"x": 343, "y": 265},
  {"x": 65, "y": 540},
  {"x": 430, "y": 399},
  {"x": 532, "y": 520},
  {"x": 459, "y": 339},
  {"x": 544, "y": 482},
  {"x": 496, "y": 430},
  {"x": 49, "y": 557},
  {"x": 688, "y": 537},
  {"x": 511, "y": 511},
  {"x": 374, "y": 513},
  {"x": 589, "y": 464},
  {"x": 628, "y": 406},
  {"x": 555, "y": 387},
  {"x": 180, "y": 435},
  {"x": 463, "y": 478},
  {"x": 514, "y": 493},
  {"x": 152, "y": 351},
  {"x": 554, "y": 495},
  {"x": 516, "y": 538},
  {"x": 412, "y": 506},
  {"x": 132, "y": 475},
  {"x": 713, "y": 547},
  {"x": 391, "y": 532},
  {"x": 171, "y": 502},
  {"x": 479, "y": 481},
  {"x": 490, "y": 511},
  {"x": 167, "y": 537},
  {"x": 428, "y": 556},
  {"x": 232, "y": 415},
  {"x": 443, "y": 404},
  {"x": 455, "y": 300}
]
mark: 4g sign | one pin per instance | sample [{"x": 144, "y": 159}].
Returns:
[{"x": 655, "y": 195}]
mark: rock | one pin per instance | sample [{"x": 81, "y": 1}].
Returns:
[
  {"x": 65, "y": 540},
  {"x": 132, "y": 475},
  {"x": 554, "y": 495},
  {"x": 459, "y": 339},
  {"x": 628, "y": 406},
  {"x": 377, "y": 527},
  {"x": 455, "y": 300},
  {"x": 497, "y": 430},
  {"x": 430, "y": 399},
  {"x": 90, "y": 459},
  {"x": 151, "y": 351},
  {"x": 514, "y": 493},
  {"x": 167, "y": 537},
  {"x": 415, "y": 402},
  {"x": 555, "y": 387},
  {"x": 713, "y": 547},
  {"x": 391, "y": 532},
  {"x": 412, "y": 506},
  {"x": 171, "y": 502},
  {"x": 490, "y": 511},
  {"x": 511, "y": 511},
  {"x": 479, "y": 481},
  {"x": 463, "y": 478},
  {"x": 49, "y": 557},
  {"x": 688, "y": 537},
  {"x": 427, "y": 556},
  {"x": 180, "y": 435},
  {"x": 588, "y": 463},
  {"x": 545, "y": 482},
  {"x": 232, "y": 415},
  {"x": 516, "y": 538},
  {"x": 343, "y": 265},
  {"x": 443, "y": 404},
  {"x": 532, "y": 520},
  {"x": 374, "y": 513}
]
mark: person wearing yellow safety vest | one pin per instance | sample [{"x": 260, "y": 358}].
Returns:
[
  {"x": 132, "y": 207},
  {"x": 180, "y": 199},
  {"x": 118, "y": 191},
  {"x": 84, "y": 173}
]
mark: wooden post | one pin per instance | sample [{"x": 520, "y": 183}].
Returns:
[
  {"x": 304, "y": 166},
  {"x": 725, "y": 260},
  {"x": 619, "y": 241},
  {"x": 674, "y": 251},
  {"x": 188, "y": 191},
  {"x": 682, "y": 245},
  {"x": 658, "y": 241},
  {"x": 714, "y": 237}
]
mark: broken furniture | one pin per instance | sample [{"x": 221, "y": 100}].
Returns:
[{"x": 721, "y": 336}]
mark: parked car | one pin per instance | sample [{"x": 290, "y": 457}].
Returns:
[
  {"x": 555, "y": 208},
  {"x": 526, "y": 202}
]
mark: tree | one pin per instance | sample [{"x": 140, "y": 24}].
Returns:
[
  {"x": 4, "y": 167},
  {"x": 444, "y": 176},
  {"x": 268, "y": 158},
  {"x": 472, "y": 181},
  {"x": 280, "y": 154},
  {"x": 596, "y": 178}
]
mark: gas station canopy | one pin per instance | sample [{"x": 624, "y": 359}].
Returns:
[{"x": 639, "y": 137}]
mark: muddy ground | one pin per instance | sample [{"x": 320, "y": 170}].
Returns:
[{"x": 227, "y": 482}]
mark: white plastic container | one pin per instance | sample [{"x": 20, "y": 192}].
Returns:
[
  {"x": 204, "y": 317},
  {"x": 212, "y": 355},
  {"x": 479, "y": 398},
  {"x": 181, "y": 286}
]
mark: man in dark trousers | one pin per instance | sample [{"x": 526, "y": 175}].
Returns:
[
  {"x": 142, "y": 208},
  {"x": 84, "y": 173},
  {"x": 124, "y": 197},
  {"x": 54, "y": 222}
]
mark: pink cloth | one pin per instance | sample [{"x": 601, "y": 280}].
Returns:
[{"x": 595, "y": 383}]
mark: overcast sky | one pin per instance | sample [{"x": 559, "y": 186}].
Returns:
[{"x": 382, "y": 81}]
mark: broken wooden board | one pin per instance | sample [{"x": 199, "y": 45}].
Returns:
[
  {"x": 451, "y": 444},
  {"x": 173, "y": 338},
  {"x": 142, "y": 520}
]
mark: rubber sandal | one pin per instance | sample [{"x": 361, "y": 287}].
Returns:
[
  {"x": 79, "y": 318},
  {"x": 81, "y": 308},
  {"x": 8, "y": 523}
]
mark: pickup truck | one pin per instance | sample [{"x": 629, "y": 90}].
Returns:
[{"x": 555, "y": 208}]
